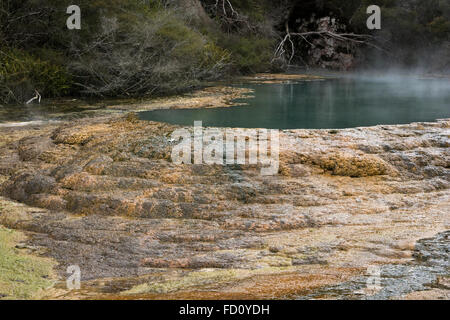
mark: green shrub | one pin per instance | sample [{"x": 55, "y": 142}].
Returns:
[
  {"x": 150, "y": 52},
  {"x": 440, "y": 28},
  {"x": 22, "y": 73},
  {"x": 213, "y": 55},
  {"x": 250, "y": 53}
]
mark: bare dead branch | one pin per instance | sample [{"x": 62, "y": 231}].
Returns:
[
  {"x": 362, "y": 39},
  {"x": 225, "y": 10},
  {"x": 36, "y": 97}
]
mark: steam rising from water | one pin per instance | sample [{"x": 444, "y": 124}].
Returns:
[{"x": 403, "y": 84}]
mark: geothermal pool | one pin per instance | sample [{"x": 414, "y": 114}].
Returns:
[{"x": 327, "y": 104}]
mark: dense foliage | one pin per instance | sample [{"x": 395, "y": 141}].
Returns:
[{"x": 147, "y": 47}]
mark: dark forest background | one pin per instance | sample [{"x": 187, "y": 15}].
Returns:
[{"x": 130, "y": 48}]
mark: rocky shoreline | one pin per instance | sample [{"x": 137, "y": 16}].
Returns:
[{"x": 103, "y": 194}]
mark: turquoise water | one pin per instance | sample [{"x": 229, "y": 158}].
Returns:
[{"x": 328, "y": 104}]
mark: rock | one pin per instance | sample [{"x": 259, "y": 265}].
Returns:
[
  {"x": 111, "y": 201},
  {"x": 328, "y": 53},
  {"x": 98, "y": 165},
  {"x": 51, "y": 202},
  {"x": 308, "y": 260},
  {"x": 404, "y": 245},
  {"x": 61, "y": 172},
  {"x": 25, "y": 185},
  {"x": 275, "y": 249},
  {"x": 351, "y": 165},
  {"x": 79, "y": 136},
  {"x": 31, "y": 148}
]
